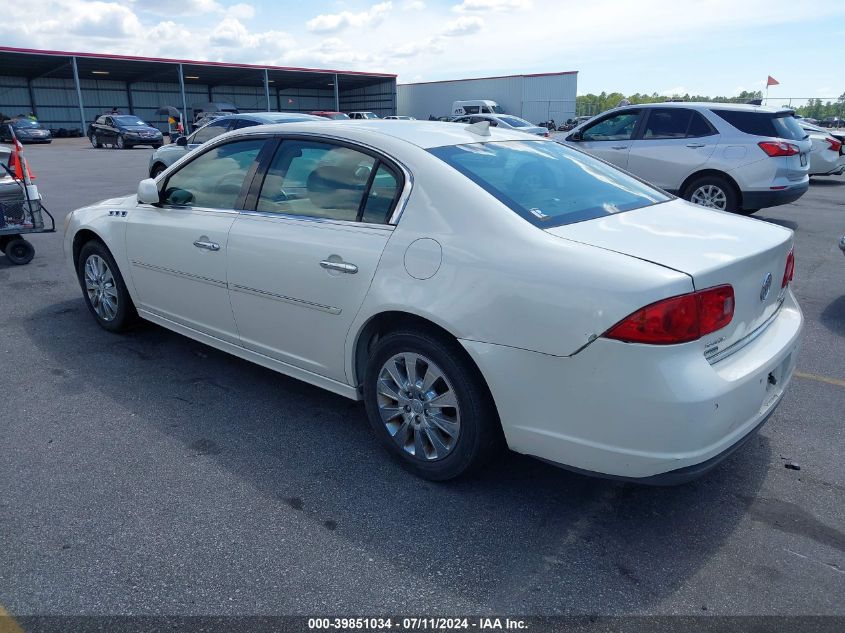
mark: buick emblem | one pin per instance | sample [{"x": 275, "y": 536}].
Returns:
[{"x": 767, "y": 286}]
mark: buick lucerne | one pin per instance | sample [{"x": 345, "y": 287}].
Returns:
[{"x": 475, "y": 287}]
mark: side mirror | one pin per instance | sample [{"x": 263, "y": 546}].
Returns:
[
  {"x": 148, "y": 192},
  {"x": 182, "y": 141}
]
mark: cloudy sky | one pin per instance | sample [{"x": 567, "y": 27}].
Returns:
[{"x": 666, "y": 46}]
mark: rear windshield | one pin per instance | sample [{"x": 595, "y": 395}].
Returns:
[
  {"x": 515, "y": 121},
  {"x": 779, "y": 124},
  {"x": 549, "y": 184}
]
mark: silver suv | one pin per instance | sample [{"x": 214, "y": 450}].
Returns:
[{"x": 727, "y": 156}]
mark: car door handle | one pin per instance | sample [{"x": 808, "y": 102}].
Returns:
[
  {"x": 695, "y": 145},
  {"x": 341, "y": 266},
  {"x": 209, "y": 246},
  {"x": 618, "y": 147}
]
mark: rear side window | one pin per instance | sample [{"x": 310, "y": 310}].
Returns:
[
  {"x": 547, "y": 183},
  {"x": 666, "y": 123},
  {"x": 779, "y": 124}
]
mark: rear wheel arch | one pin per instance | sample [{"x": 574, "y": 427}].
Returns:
[
  {"x": 384, "y": 323},
  {"x": 710, "y": 172}
]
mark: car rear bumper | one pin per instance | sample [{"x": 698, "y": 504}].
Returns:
[
  {"x": 657, "y": 414},
  {"x": 773, "y": 197}
]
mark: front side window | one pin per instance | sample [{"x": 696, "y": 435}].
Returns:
[
  {"x": 322, "y": 180},
  {"x": 214, "y": 179},
  {"x": 618, "y": 127},
  {"x": 468, "y": 109},
  {"x": 498, "y": 109},
  {"x": 215, "y": 128},
  {"x": 547, "y": 183}
]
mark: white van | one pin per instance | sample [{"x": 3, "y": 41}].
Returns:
[{"x": 476, "y": 106}]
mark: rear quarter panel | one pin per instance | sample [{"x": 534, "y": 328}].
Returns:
[{"x": 500, "y": 279}]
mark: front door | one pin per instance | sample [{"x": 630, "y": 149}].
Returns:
[
  {"x": 609, "y": 138},
  {"x": 674, "y": 143},
  {"x": 177, "y": 251},
  {"x": 301, "y": 262}
]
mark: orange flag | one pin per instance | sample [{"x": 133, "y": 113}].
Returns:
[{"x": 771, "y": 81}]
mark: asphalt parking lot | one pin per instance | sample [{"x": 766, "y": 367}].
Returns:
[{"x": 149, "y": 474}]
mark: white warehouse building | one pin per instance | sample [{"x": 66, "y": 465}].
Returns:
[{"x": 537, "y": 97}]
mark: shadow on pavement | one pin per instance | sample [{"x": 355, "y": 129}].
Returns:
[
  {"x": 833, "y": 316},
  {"x": 521, "y": 535}
]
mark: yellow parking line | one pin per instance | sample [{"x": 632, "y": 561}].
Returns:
[
  {"x": 7, "y": 622},
  {"x": 818, "y": 378}
]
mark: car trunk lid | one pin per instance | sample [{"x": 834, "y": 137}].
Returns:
[{"x": 713, "y": 248}]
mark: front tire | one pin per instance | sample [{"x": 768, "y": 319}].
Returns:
[
  {"x": 429, "y": 405},
  {"x": 104, "y": 289},
  {"x": 95, "y": 143},
  {"x": 713, "y": 192}
]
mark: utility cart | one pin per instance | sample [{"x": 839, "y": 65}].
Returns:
[{"x": 21, "y": 213}]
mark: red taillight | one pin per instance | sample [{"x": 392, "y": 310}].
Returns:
[
  {"x": 789, "y": 271},
  {"x": 546, "y": 134},
  {"x": 834, "y": 144},
  {"x": 677, "y": 319},
  {"x": 779, "y": 148}
]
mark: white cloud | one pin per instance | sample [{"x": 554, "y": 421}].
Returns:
[
  {"x": 464, "y": 25},
  {"x": 180, "y": 7},
  {"x": 413, "y": 5},
  {"x": 231, "y": 33},
  {"x": 487, "y": 6},
  {"x": 242, "y": 11},
  {"x": 336, "y": 22}
]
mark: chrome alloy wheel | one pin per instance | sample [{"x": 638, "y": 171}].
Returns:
[
  {"x": 710, "y": 196},
  {"x": 418, "y": 406},
  {"x": 99, "y": 285}
]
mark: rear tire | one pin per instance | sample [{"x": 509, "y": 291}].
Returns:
[
  {"x": 103, "y": 288},
  {"x": 429, "y": 406},
  {"x": 19, "y": 251},
  {"x": 713, "y": 192},
  {"x": 157, "y": 169},
  {"x": 120, "y": 143}
]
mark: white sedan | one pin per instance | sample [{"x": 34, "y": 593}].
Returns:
[{"x": 472, "y": 286}]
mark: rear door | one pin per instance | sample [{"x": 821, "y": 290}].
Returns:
[
  {"x": 672, "y": 144},
  {"x": 609, "y": 137},
  {"x": 301, "y": 262}
]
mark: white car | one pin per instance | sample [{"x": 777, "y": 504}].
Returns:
[
  {"x": 363, "y": 115},
  {"x": 726, "y": 156},
  {"x": 470, "y": 285},
  {"x": 827, "y": 156}
]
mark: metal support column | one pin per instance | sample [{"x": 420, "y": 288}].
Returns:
[
  {"x": 129, "y": 98},
  {"x": 79, "y": 95},
  {"x": 267, "y": 88},
  {"x": 184, "y": 100},
  {"x": 32, "y": 107},
  {"x": 336, "y": 94}
]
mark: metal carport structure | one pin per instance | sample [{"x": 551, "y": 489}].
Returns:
[{"x": 68, "y": 90}]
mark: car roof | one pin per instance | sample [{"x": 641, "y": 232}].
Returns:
[
  {"x": 424, "y": 134},
  {"x": 747, "y": 107}
]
